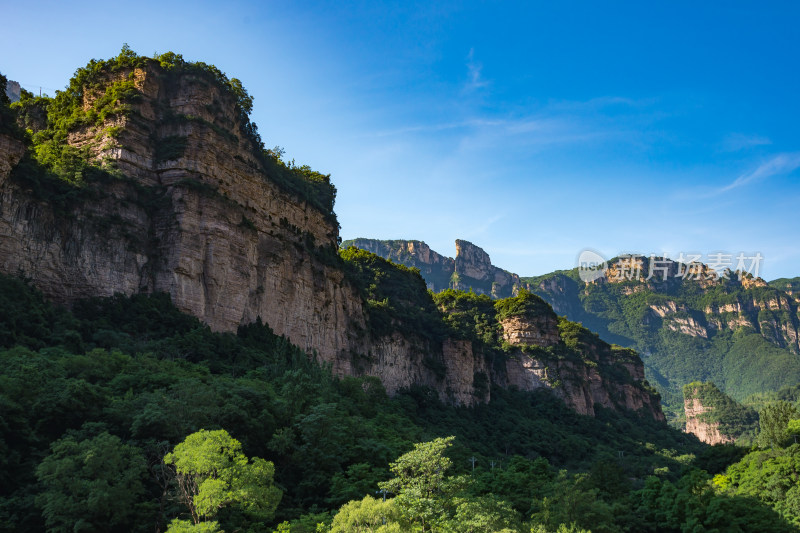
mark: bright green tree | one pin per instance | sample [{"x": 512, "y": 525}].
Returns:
[
  {"x": 91, "y": 484},
  {"x": 185, "y": 526},
  {"x": 368, "y": 515},
  {"x": 483, "y": 513},
  {"x": 424, "y": 491},
  {"x": 793, "y": 430},
  {"x": 773, "y": 422},
  {"x": 212, "y": 473}
]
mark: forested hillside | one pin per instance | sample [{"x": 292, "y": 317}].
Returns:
[
  {"x": 742, "y": 335},
  {"x": 126, "y": 379},
  {"x": 161, "y": 397}
]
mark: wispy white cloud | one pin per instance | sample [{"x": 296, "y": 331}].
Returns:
[
  {"x": 777, "y": 165},
  {"x": 600, "y": 103},
  {"x": 482, "y": 228},
  {"x": 475, "y": 79},
  {"x": 738, "y": 141},
  {"x": 423, "y": 128}
]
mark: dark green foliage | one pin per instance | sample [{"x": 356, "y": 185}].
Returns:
[
  {"x": 396, "y": 296},
  {"x": 469, "y": 316},
  {"x": 791, "y": 285},
  {"x": 789, "y": 394},
  {"x": 734, "y": 419},
  {"x": 91, "y": 484},
  {"x": 26, "y": 319},
  {"x": 139, "y": 370},
  {"x": 127, "y": 378},
  {"x": 692, "y": 505},
  {"x": 773, "y": 424},
  {"x": 8, "y": 122},
  {"x": 540, "y": 425},
  {"x": 524, "y": 304}
]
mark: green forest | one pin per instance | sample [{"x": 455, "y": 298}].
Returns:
[
  {"x": 741, "y": 361},
  {"x": 125, "y": 414}
]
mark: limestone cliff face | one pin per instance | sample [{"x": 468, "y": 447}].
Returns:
[
  {"x": 472, "y": 269},
  {"x": 716, "y": 418},
  {"x": 194, "y": 214},
  {"x": 707, "y": 432},
  {"x": 207, "y": 226},
  {"x": 580, "y": 383},
  {"x": 540, "y": 330}
]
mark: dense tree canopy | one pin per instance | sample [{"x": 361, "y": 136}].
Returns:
[{"x": 131, "y": 380}]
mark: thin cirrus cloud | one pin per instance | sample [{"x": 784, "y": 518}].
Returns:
[
  {"x": 475, "y": 79},
  {"x": 737, "y": 141},
  {"x": 545, "y": 129},
  {"x": 777, "y": 165}
]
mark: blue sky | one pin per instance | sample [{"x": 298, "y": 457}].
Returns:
[{"x": 534, "y": 130}]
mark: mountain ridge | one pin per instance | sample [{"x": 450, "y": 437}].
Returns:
[
  {"x": 471, "y": 269},
  {"x": 148, "y": 177},
  {"x": 750, "y": 328}
]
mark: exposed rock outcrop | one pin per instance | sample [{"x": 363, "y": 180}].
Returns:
[
  {"x": 471, "y": 269},
  {"x": 707, "y": 432},
  {"x": 191, "y": 211},
  {"x": 714, "y": 417},
  {"x": 582, "y": 383},
  {"x": 436, "y": 269},
  {"x": 541, "y": 330}
]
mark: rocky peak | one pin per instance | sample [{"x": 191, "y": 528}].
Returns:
[
  {"x": 707, "y": 432},
  {"x": 714, "y": 417},
  {"x": 471, "y": 269},
  {"x": 472, "y": 261},
  {"x": 474, "y": 270}
]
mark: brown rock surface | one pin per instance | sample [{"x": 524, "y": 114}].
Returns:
[
  {"x": 705, "y": 431},
  {"x": 228, "y": 244}
]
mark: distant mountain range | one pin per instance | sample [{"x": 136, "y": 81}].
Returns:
[
  {"x": 741, "y": 334},
  {"x": 470, "y": 270}
]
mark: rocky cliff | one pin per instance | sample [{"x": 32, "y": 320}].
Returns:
[
  {"x": 436, "y": 269},
  {"x": 157, "y": 183},
  {"x": 688, "y": 322},
  {"x": 548, "y": 352},
  {"x": 707, "y": 432},
  {"x": 714, "y": 417},
  {"x": 203, "y": 223},
  {"x": 472, "y": 269}
]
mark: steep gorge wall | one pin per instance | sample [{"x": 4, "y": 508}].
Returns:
[
  {"x": 206, "y": 227},
  {"x": 582, "y": 384},
  {"x": 206, "y": 224}
]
